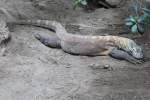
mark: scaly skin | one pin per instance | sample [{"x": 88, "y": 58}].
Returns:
[{"x": 115, "y": 46}]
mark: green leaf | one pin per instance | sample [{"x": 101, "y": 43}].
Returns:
[
  {"x": 140, "y": 28},
  {"x": 134, "y": 29},
  {"x": 133, "y": 18},
  {"x": 147, "y": 1},
  {"x": 130, "y": 19},
  {"x": 84, "y": 2},
  {"x": 79, "y": 3},
  {"x": 141, "y": 19},
  {"x": 146, "y": 11},
  {"x": 129, "y": 23}
]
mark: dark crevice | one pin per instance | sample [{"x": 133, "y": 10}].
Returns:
[{"x": 95, "y": 4}]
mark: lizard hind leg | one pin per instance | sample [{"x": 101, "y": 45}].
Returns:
[{"x": 48, "y": 40}]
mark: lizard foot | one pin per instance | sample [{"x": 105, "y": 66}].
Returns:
[{"x": 135, "y": 61}]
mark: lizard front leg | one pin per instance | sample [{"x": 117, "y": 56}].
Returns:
[{"x": 122, "y": 55}]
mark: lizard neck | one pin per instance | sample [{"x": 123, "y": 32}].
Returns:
[{"x": 120, "y": 42}]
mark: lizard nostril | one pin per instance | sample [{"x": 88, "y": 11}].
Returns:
[{"x": 37, "y": 35}]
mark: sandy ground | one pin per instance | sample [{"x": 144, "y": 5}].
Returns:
[{"x": 32, "y": 71}]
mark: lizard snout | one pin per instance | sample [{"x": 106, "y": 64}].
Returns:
[{"x": 138, "y": 55}]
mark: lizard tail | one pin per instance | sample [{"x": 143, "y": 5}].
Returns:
[{"x": 47, "y": 24}]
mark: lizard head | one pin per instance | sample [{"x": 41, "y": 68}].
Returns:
[{"x": 135, "y": 50}]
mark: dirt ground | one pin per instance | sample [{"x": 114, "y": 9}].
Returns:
[{"x": 32, "y": 71}]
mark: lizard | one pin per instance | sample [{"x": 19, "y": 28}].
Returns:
[{"x": 115, "y": 46}]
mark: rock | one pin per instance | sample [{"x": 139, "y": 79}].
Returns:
[
  {"x": 4, "y": 32},
  {"x": 106, "y": 66}
]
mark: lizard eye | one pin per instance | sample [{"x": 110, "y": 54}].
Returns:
[{"x": 134, "y": 49}]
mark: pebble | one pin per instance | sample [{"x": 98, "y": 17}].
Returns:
[
  {"x": 106, "y": 66},
  {"x": 98, "y": 66}
]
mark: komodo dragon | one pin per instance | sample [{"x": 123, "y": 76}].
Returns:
[{"x": 117, "y": 47}]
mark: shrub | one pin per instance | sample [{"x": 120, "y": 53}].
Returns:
[
  {"x": 141, "y": 16},
  {"x": 80, "y": 3}
]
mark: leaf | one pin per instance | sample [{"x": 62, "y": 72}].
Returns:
[
  {"x": 130, "y": 19},
  {"x": 147, "y": 1},
  {"x": 133, "y": 19},
  {"x": 84, "y": 2},
  {"x": 140, "y": 28},
  {"x": 136, "y": 8},
  {"x": 141, "y": 19},
  {"x": 79, "y": 3},
  {"x": 129, "y": 23},
  {"x": 146, "y": 11},
  {"x": 134, "y": 28}
]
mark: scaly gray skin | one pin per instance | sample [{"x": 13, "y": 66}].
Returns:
[
  {"x": 54, "y": 42},
  {"x": 115, "y": 46}
]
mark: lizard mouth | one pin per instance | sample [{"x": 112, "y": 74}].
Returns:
[{"x": 138, "y": 56}]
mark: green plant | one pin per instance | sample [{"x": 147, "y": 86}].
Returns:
[
  {"x": 141, "y": 17},
  {"x": 80, "y": 3}
]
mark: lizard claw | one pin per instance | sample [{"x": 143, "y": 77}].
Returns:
[
  {"x": 135, "y": 61},
  {"x": 140, "y": 61}
]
